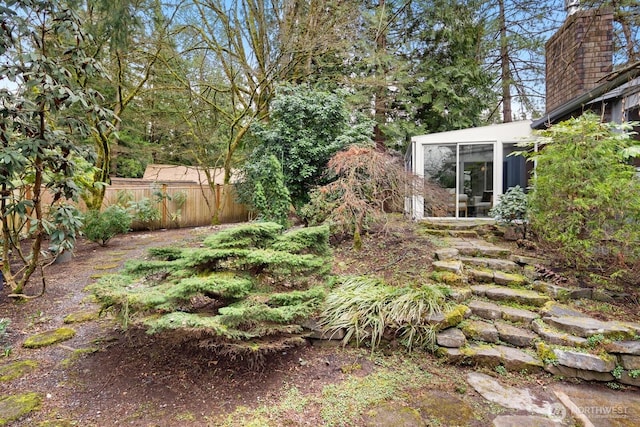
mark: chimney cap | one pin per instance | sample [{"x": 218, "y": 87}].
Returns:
[{"x": 571, "y": 6}]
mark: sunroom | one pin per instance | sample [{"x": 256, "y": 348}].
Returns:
[{"x": 474, "y": 165}]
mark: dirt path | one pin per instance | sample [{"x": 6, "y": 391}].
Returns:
[{"x": 104, "y": 376}]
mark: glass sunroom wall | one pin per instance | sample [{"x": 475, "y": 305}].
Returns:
[
  {"x": 440, "y": 168},
  {"x": 475, "y": 184}
]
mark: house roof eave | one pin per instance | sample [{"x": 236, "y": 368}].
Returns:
[{"x": 613, "y": 81}]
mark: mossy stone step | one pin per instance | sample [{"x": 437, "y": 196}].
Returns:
[
  {"x": 49, "y": 338},
  {"x": 460, "y": 295},
  {"x": 624, "y": 347},
  {"x": 480, "y": 248},
  {"x": 470, "y": 234},
  {"x": 450, "y": 225},
  {"x": 561, "y": 293},
  {"x": 451, "y": 318},
  {"x": 491, "y": 311},
  {"x": 497, "y": 277},
  {"x": 16, "y": 406},
  {"x": 448, "y": 278},
  {"x": 491, "y": 356},
  {"x": 586, "y": 327},
  {"x": 479, "y": 330},
  {"x": 480, "y": 276},
  {"x": 554, "y": 308},
  {"x": 554, "y": 337},
  {"x": 492, "y": 263},
  {"x": 584, "y": 361},
  {"x": 520, "y": 296}
]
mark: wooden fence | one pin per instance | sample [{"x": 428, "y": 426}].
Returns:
[{"x": 180, "y": 204}]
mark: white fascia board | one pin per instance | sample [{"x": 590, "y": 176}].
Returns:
[{"x": 504, "y": 132}]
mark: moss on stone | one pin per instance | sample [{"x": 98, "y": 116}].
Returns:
[
  {"x": 57, "y": 423},
  {"x": 48, "y": 338},
  {"x": 545, "y": 353},
  {"x": 393, "y": 414},
  {"x": 81, "y": 316},
  {"x": 17, "y": 369},
  {"x": 447, "y": 277},
  {"x": 453, "y": 316},
  {"x": 105, "y": 267},
  {"x": 16, "y": 406}
]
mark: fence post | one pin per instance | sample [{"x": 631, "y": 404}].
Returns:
[{"x": 163, "y": 223}]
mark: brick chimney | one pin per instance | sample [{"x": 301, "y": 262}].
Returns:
[{"x": 579, "y": 55}]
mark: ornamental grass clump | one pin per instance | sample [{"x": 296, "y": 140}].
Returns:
[
  {"x": 366, "y": 309},
  {"x": 243, "y": 293}
]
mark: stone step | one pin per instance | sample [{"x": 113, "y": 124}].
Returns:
[
  {"x": 554, "y": 308},
  {"x": 479, "y": 330},
  {"x": 469, "y": 234},
  {"x": 515, "y": 336},
  {"x": 561, "y": 293},
  {"x": 586, "y": 327},
  {"x": 460, "y": 295},
  {"x": 512, "y": 359},
  {"x": 451, "y": 338},
  {"x": 523, "y": 260},
  {"x": 450, "y": 225},
  {"x": 492, "y": 264},
  {"x": 452, "y": 266},
  {"x": 492, "y": 311},
  {"x": 497, "y": 277},
  {"x": 446, "y": 254},
  {"x": 520, "y": 296},
  {"x": 487, "y": 250},
  {"x": 554, "y": 337}
]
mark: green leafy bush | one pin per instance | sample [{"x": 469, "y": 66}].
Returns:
[
  {"x": 145, "y": 211},
  {"x": 264, "y": 189},
  {"x": 245, "y": 292},
  {"x": 306, "y": 127},
  {"x": 512, "y": 209},
  {"x": 100, "y": 227},
  {"x": 585, "y": 198}
]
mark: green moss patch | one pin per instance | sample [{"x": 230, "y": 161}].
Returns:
[
  {"x": 17, "y": 369},
  {"x": 454, "y": 316},
  {"x": 49, "y": 338},
  {"x": 448, "y": 278},
  {"x": 16, "y": 406},
  {"x": 57, "y": 423},
  {"x": 81, "y": 316},
  {"x": 105, "y": 267}
]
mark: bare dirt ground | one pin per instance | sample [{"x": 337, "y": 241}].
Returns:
[{"x": 105, "y": 376}]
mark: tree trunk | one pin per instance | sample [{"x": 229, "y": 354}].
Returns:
[
  {"x": 507, "y": 114},
  {"x": 379, "y": 103}
]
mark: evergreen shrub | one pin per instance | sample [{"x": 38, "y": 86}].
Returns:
[
  {"x": 246, "y": 292},
  {"x": 586, "y": 195},
  {"x": 100, "y": 227}
]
